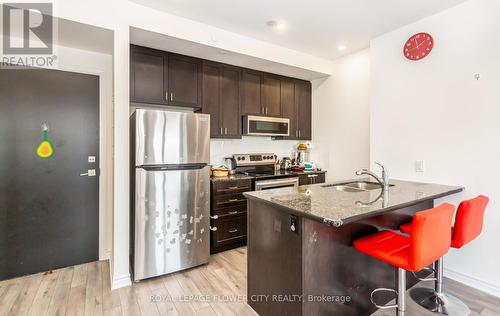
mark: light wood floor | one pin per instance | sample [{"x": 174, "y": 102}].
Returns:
[{"x": 85, "y": 290}]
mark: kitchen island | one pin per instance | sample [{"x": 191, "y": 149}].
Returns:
[{"x": 300, "y": 259}]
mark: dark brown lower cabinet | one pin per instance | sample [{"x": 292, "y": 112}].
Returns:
[
  {"x": 228, "y": 214},
  {"x": 311, "y": 178}
]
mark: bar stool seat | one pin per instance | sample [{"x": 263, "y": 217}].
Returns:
[
  {"x": 430, "y": 240},
  {"x": 387, "y": 246}
]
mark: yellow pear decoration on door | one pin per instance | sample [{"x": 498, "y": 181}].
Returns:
[{"x": 45, "y": 149}]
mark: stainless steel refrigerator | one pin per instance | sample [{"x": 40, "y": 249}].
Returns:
[{"x": 170, "y": 184}]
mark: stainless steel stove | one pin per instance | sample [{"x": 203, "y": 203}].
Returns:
[{"x": 261, "y": 167}]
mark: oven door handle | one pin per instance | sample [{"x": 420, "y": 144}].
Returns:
[{"x": 266, "y": 184}]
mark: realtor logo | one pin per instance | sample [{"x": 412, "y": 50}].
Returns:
[{"x": 27, "y": 28}]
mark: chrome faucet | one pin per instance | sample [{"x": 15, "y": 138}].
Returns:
[{"x": 384, "y": 181}]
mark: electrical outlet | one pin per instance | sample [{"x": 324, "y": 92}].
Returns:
[{"x": 419, "y": 166}]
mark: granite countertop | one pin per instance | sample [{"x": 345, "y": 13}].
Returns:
[{"x": 328, "y": 205}]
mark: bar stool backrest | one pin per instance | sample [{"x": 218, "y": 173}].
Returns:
[
  {"x": 469, "y": 221},
  {"x": 431, "y": 237}
]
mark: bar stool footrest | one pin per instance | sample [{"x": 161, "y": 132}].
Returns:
[{"x": 383, "y": 289}]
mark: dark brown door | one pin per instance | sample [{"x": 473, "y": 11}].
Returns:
[
  {"x": 184, "y": 81},
  {"x": 230, "y": 102},
  {"x": 304, "y": 110},
  {"x": 49, "y": 214},
  {"x": 288, "y": 106},
  {"x": 211, "y": 101},
  {"x": 251, "y": 96},
  {"x": 271, "y": 92},
  {"x": 148, "y": 75}
]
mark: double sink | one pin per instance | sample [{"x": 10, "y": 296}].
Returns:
[{"x": 355, "y": 186}]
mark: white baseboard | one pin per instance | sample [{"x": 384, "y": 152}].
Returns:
[
  {"x": 478, "y": 284},
  {"x": 121, "y": 281}
]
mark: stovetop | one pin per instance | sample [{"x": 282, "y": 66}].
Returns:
[
  {"x": 270, "y": 174},
  {"x": 259, "y": 166}
]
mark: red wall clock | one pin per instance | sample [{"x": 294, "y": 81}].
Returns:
[{"x": 418, "y": 46}]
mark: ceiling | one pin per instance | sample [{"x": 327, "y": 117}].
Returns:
[{"x": 317, "y": 27}]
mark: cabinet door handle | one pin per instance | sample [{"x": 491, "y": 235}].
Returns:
[
  {"x": 299, "y": 132},
  {"x": 166, "y": 95},
  {"x": 214, "y": 217},
  {"x": 233, "y": 231},
  {"x": 233, "y": 212},
  {"x": 214, "y": 229},
  {"x": 296, "y": 133},
  {"x": 221, "y": 132},
  {"x": 266, "y": 110},
  {"x": 225, "y": 130},
  {"x": 312, "y": 175},
  {"x": 171, "y": 96}
]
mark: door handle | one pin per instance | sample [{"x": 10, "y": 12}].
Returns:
[
  {"x": 214, "y": 217},
  {"x": 89, "y": 173},
  {"x": 214, "y": 229},
  {"x": 225, "y": 130},
  {"x": 171, "y": 96},
  {"x": 233, "y": 231}
]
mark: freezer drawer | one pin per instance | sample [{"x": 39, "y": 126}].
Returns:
[
  {"x": 170, "y": 138},
  {"x": 171, "y": 221}
]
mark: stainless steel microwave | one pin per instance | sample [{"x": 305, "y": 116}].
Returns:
[{"x": 265, "y": 126}]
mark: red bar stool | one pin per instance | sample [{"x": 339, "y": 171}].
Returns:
[
  {"x": 430, "y": 240},
  {"x": 468, "y": 225}
]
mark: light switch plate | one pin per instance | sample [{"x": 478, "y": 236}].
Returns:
[
  {"x": 419, "y": 166},
  {"x": 91, "y": 158}
]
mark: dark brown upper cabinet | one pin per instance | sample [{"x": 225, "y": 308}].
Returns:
[
  {"x": 184, "y": 81},
  {"x": 271, "y": 95},
  {"x": 251, "y": 92},
  {"x": 159, "y": 77},
  {"x": 225, "y": 92},
  {"x": 289, "y": 106},
  {"x": 221, "y": 99},
  {"x": 148, "y": 75},
  {"x": 296, "y": 106},
  {"x": 304, "y": 109}
]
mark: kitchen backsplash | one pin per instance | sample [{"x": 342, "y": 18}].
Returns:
[{"x": 221, "y": 148}]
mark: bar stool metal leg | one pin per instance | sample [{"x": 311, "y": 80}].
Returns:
[
  {"x": 435, "y": 300},
  {"x": 401, "y": 292}
]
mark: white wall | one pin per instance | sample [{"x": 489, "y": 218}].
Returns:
[
  {"x": 341, "y": 117},
  {"x": 435, "y": 110}
]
